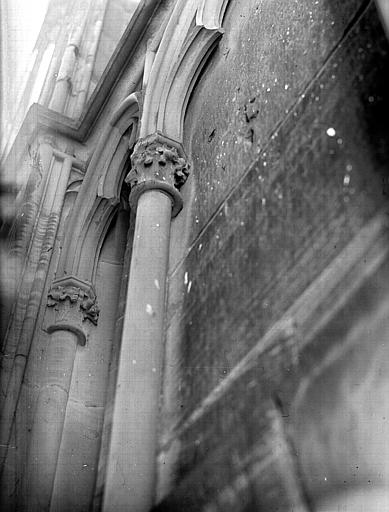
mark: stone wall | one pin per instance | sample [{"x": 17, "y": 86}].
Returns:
[
  {"x": 287, "y": 135},
  {"x": 274, "y": 393}
]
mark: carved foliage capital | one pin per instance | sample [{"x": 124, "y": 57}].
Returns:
[
  {"x": 160, "y": 163},
  {"x": 75, "y": 291}
]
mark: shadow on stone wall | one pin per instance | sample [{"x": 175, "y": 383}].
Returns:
[{"x": 341, "y": 419}]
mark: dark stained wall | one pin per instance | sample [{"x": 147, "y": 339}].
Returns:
[
  {"x": 287, "y": 133},
  {"x": 338, "y": 417}
]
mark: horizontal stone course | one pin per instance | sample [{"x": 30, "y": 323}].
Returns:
[
  {"x": 301, "y": 202},
  {"x": 316, "y": 181},
  {"x": 269, "y": 54},
  {"x": 262, "y": 417}
]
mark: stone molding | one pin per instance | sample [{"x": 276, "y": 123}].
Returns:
[
  {"x": 175, "y": 63},
  {"x": 160, "y": 163},
  {"x": 75, "y": 302}
]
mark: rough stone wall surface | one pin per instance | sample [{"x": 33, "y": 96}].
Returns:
[
  {"x": 341, "y": 445},
  {"x": 287, "y": 134}
]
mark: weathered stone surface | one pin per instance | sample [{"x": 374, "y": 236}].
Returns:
[
  {"x": 338, "y": 417},
  {"x": 76, "y": 472},
  {"x": 298, "y": 422},
  {"x": 318, "y": 178},
  {"x": 298, "y": 205},
  {"x": 287, "y": 130},
  {"x": 269, "y": 54},
  {"x": 235, "y": 457}
]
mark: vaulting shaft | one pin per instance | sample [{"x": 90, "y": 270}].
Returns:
[{"x": 158, "y": 171}]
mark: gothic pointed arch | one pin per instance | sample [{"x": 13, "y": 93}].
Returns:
[
  {"x": 192, "y": 32},
  {"x": 97, "y": 201},
  {"x": 190, "y": 35}
]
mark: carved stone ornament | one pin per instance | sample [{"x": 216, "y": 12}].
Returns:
[
  {"x": 74, "y": 290},
  {"x": 158, "y": 163}
]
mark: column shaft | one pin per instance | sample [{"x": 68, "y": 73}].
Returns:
[
  {"x": 130, "y": 478},
  {"x": 70, "y": 303},
  {"x": 48, "y": 422}
]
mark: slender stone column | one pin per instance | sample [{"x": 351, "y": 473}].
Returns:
[
  {"x": 73, "y": 301},
  {"x": 159, "y": 169}
]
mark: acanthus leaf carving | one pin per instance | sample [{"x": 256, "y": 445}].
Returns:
[
  {"x": 75, "y": 291},
  {"x": 158, "y": 162}
]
